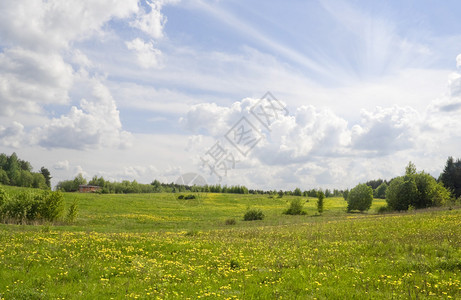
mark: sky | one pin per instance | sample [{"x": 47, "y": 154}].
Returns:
[{"x": 154, "y": 89}]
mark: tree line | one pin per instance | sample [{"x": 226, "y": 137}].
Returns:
[
  {"x": 128, "y": 187},
  {"x": 18, "y": 172}
]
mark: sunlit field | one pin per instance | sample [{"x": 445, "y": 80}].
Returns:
[{"x": 155, "y": 246}]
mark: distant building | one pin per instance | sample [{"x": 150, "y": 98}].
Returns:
[{"x": 88, "y": 188}]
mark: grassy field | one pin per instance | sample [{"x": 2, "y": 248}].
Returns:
[{"x": 155, "y": 246}]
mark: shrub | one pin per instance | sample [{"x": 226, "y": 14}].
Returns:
[
  {"x": 360, "y": 198},
  {"x": 230, "y": 222},
  {"x": 3, "y": 197},
  {"x": 253, "y": 214},
  {"x": 296, "y": 208},
  {"x": 28, "y": 206},
  {"x": 234, "y": 264},
  {"x": 382, "y": 209},
  {"x": 21, "y": 207},
  {"x": 419, "y": 190},
  {"x": 320, "y": 197},
  {"x": 52, "y": 206},
  {"x": 72, "y": 212}
]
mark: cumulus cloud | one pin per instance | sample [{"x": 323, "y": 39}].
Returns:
[
  {"x": 151, "y": 22},
  {"x": 44, "y": 25},
  {"x": 317, "y": 147},
  {"x": 12, "y": 135},
  {"x": 28, "y": 79},
  {"x": 213, "y": 119},
  {"x": 95, "y": 123},
  {"x": 61, "y": 165},
  {"x": 146, "y": 54},
  {"x": 37, "y": 62},
  {"x": 387, "y": 130}
]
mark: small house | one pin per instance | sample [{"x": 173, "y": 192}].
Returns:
[{"x": 84, "y": 188}]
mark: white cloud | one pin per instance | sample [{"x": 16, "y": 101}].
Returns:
[
  {"x": 387, "y": 130},
  {"x": 12, "y": 136},
  {"x": 147, "y": 56},
  {"x": 61, "y": 165},
  {"x": 44, "y": 25},
  {"x": 214, "y": 119},
  {"x": 96, "y": 123},
  {"x": 151, "y": 22},
  {"x": 30, "y": 79}
]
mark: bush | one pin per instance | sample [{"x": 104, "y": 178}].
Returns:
[
  {"x": 27, "y": 206},
  {"x": 230, "y": 222},
  {"x": 72, "y": 212},
  {"x": 360, "y": 198},
  {"x": 383, "y": 209},
  {"x": 320, "y": 197},
  {"x": 253, "y": 214},
  {"x": 296, "y": 208},
  {"x": 52, "y": 206},
  {"x": 419, "y": 190}
]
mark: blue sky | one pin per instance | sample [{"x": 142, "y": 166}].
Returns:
[{"x": 142, "y": 89}]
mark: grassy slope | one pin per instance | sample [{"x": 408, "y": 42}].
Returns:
[{"x": 150, "y": 246}]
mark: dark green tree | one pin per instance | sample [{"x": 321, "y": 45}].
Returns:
[
  {"x": 380, "y": 191},
  {"x": 345, "y": 194},
  {"x": 360, "y": 198},
  {"x": 320, "y": 200},
  {"x": 420, "y": 190},
  {"x": 451, "y": 176},
  {"x": 297, "y": 192},
  {"x": 47, "y": 175}
]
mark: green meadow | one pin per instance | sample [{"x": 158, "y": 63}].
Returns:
[{"x": 155, "y": 246}]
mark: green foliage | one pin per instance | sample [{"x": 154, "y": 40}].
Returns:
[
  {"x": 72, "y": 212},
  {"x": 296, "y": 207},
  {"x": 420, "y": 190},
  {"x": 17, "y": 172},
  {"x": 230, "y": 222},
  {"x": 47, "y": 175},
  {"x": 52, "y": 206},
  {"x": 382, "y": 209},
  {"x": 297, "y": 192},
  {"x": 345, "y": 194},
  {"x": 253, "y": 214},
  {"x": 4, "y": 177},
  {"x": 31, "y": 206},
  {"x": 410, "y": 169},
  {"x": 360, "y": 198},
  {"x": 374, "y": 184},
  {"x": 320, "y": 197},
  {"x": 280, "y": 193},
  {"x": 451, "y": 176},
  {"x": 380, "y": 191},
  {"x": 401, "y": 193}
]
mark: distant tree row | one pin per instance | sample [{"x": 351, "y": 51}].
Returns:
[
  {"x": 127, "y": 187},
  {"x": 17, "y": 172}
]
